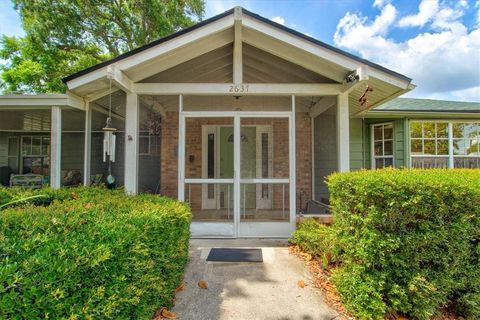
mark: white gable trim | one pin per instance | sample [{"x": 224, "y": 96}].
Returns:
[
  {"x": 140, "y": 65},
  {"x": 156, "y": 51},
  {"x": 321, "y": 52}
]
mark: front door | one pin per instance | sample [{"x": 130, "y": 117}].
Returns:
[{"x": 238, "y": 196}]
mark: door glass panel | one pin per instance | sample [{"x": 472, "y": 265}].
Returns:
[
  {"x": 208, "y": 154},
  {"x": 264, "y": 154},
  {"x": 223, "y": 211},
  {"x": 264, "y": 148},
  {"x": 226, "y": 152},
  {"x": 209, "y": 157},
  {"x": 252, "y": 210}
]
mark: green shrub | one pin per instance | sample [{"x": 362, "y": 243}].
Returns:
[
  {"x": 90, "y": 253},
  {"x": 316, "y": 239},
  {"x": 408, "y": 241}
]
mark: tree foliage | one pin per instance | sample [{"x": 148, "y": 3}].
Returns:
[{"x": 65, "y": 36}]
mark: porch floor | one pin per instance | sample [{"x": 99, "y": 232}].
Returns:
[
  {"x": 250, "y": 215},
  {"x": 265, "y": 290}
]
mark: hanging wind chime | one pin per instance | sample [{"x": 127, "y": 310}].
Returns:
[{"x": 109, "y": 143}]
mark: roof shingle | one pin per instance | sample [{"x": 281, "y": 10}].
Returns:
[{"x": 428, "y": 105}]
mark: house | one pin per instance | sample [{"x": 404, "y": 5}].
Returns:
[{"x": 240, "y": 117}]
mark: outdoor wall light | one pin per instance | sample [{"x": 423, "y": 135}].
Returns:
[{"x": 191, "y": 158}]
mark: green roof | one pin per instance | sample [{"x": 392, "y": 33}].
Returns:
[{"x": 428, "y": 105}]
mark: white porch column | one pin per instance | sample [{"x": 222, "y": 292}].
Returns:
[
  {"x": 237, "y": 165},
  {"x": 181, "y": 150},
  {"x": 131, "y": 144},
  {"x": 293, "y": 167},
  {"x": 451, "y": 160},
  {"x": 56, "y": 148},
  {"x": 343, "y": 133},
  {"x": 87, "y": 144}
]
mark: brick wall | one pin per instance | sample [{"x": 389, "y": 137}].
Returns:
[
  {"x": 304, "y": 158},
  {"x": 193, "y": 162},
  {"x": 168, "y": 155}
]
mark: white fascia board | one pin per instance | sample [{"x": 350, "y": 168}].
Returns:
[
  {"x": 87, "y": 78},
  {"x": 230, "y": 89},
  {"x": 303, "y": 44},
  {"x": 41, "y": 101},
  {"x": 177, "y": 42},
  {"x": 394, "y": 81},
  {"x": 33, "y": 100},
  {"x": 324, "y": 53},
  {"x": 149, "y": 54}
]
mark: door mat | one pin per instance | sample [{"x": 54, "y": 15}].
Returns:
[{"x": 235, "y": 255}]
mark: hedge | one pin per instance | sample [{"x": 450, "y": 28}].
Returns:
[
  {"x": 90, "y": 253},
  {"x": 408, "y": 241}
]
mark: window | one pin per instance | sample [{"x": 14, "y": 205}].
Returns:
[
  {"x": 264, "y": 147},
  {"x": 35, "y": 154},
  {"x": 443, "y": 144},
  {"x": 429, "y": 144},
  {"x": 382, "y": 145},
  {"x": 466, "y": 139},
  {"x": 211, "y": 164}
]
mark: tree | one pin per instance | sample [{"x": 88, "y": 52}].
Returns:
[{"x": 65, "y": 36}]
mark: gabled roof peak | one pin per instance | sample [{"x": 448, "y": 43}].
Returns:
[{"x": 242, "y": 12}]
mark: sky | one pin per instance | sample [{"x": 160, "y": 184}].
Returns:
[{"x": 434, "y": 42}]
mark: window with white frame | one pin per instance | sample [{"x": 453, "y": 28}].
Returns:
[
  {"x": 382, "y": 145},
  {"x": 444, "y": 144},
  {"x": 429, "y": 144},
  {"x": 35, "y": 154},
  {"x": 466, "y": 140}
]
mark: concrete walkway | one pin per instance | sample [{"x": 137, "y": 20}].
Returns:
[{"x": 248, "y": 291}]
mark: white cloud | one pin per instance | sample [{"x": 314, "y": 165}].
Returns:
[
  {"x": 443, "y": 62},
  {"x": 380, "y": 3},
  {"x": 426, "y": 11},
  {"x": 279, "y": 20}
]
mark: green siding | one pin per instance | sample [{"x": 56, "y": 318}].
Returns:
[
  {"x": 361, "y": 128},
  {"x": 356, "y": 145}
]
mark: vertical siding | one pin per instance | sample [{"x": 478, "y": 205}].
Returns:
[
  {"x": 325, "y": 149},
  {"x": 356, "y": 144},
  {"x": 72, "y": 151},
  {"x": 3, "y": 149}
]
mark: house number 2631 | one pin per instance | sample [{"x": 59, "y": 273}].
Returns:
[{"x": 238, "y": 88}]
